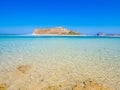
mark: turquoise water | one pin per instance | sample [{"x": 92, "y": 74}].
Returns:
[{"x": 82, "y": 56}]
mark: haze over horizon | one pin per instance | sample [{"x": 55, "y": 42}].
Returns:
[{"x": 84, "y": 16}]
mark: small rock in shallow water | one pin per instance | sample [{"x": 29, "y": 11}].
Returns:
[
  {"x": 77, "y": 87},
  {"x": 23, "y": 68},
  {"x": 3, "y": 86},
  {"x": 89, "y": 85}
]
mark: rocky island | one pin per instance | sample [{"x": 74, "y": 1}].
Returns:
[{"x": 56, "y": 31}]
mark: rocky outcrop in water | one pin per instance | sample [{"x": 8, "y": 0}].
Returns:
[
  {"x": 57, "y": 30},
  {"x": 102, "y": 34}
]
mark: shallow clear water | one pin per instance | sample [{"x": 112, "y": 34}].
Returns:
[{"x": 83, "y": 57}]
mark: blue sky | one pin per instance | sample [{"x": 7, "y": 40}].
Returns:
[{"x": 85, "y": 16}]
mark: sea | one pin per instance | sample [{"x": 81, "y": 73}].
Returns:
[{"x": 56, "y": 59}]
